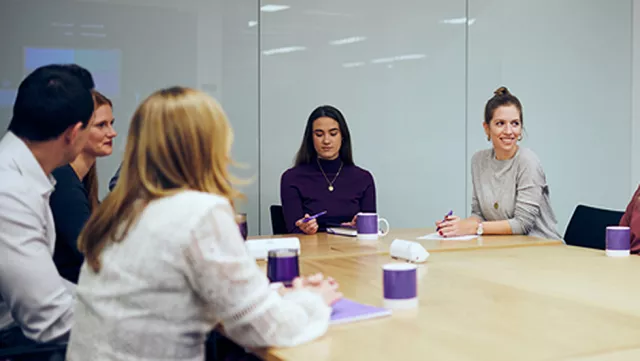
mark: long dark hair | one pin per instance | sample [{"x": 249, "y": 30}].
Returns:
[{"x": 307, "y": 152}]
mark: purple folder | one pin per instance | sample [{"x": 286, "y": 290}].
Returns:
[{"x": 346, "y": 311}]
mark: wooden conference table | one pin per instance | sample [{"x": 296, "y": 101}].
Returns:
[
  {"x": 524, "y": 303},
  {"x": 504, "y": 298},
  {"x": 323, "y": 245}
]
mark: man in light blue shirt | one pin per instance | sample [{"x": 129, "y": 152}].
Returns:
[{"x": 52, "y": 114}]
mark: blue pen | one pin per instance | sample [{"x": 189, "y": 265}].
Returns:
[
  {"x": 307, "y": 219},
  {"x": 445, "y": 217}
]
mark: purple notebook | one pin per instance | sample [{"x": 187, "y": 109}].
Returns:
[{"x": 346, "y": 310}]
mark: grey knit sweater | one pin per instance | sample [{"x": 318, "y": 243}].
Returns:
[{"x": 515, "y": 190}]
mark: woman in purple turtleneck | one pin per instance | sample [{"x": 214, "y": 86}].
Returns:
[{"x": 325, "y": 178}]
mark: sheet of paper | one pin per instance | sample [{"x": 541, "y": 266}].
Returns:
[
  {"x": 437, "y": 237},
  {"x": 342, "y": 231}
]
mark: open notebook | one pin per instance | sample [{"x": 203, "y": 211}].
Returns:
[
  {"x": 346, "y": 311},
  {"x": 342, "y": 231}
]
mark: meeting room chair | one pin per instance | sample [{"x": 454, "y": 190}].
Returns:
[
  {"x": 587, "y": 227},
  {"x": 278, "y": 225}
]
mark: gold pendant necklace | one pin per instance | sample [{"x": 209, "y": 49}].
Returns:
[{"x": 327, "y": 178}]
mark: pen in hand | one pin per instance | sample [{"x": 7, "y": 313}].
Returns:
[
  {"x": 307, "y": 219},
  {"x": 445, "y": 218}
]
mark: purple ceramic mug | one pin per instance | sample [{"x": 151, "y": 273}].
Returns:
[
  {"x": 400, "y": 285},
  {"x": 283, "y": 266},
  {"x": 368, "y": 226},
  {"x": 618, "y": 241}
]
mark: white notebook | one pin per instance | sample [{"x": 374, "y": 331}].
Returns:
[
  {"x": 437, "y": 237},
  {"x": 259, "y": 248},
  {"x": 342, "y": 231}
]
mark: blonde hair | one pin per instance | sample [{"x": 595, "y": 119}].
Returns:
[
  {"x": 90, "y": 180},
  {"x": 179, "y": 139}
]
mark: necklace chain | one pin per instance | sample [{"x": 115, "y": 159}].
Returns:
[{"x": 327, "y": 178}]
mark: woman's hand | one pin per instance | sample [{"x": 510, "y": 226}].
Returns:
[
  {"x": 327, "y": 288},
  {"x": 317, "y": 279},
  {"x": 310, "y": 281},
  {"x": 310, "y": 227},
  {"x": 351, "y": 224},
  {"x": 454, "y": 226}
]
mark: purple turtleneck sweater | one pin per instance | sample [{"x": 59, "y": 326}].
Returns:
[{"x": 303, "y": 189}]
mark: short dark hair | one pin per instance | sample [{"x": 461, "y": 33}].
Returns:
[
  {"x": 307, "y": 152},
  {"x": 48, "y": 102},
  {"x": 501, "y": 97},
  {"x": 79, "y": 72}
]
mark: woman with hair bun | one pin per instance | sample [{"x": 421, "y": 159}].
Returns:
[{"x": 510, "y": 190}]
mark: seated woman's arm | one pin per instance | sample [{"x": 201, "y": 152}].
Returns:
[
  {"x": 476, "y": 212},
  {"x": 626, "y": 217},
  {"x": 368, "y": 200},
  {"x": 530, "y": 185},
  {"x": 238, "y": 294}
]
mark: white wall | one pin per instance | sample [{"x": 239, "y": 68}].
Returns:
[
  {"x": 401, "y": 90},
  {"x": 413, "y": 90},
  {"x": 152, "y": 54},
  {"x": 239, "y": 73},
  {"x": 569, "y": 62},
  {"x": 199, "y": 43}
]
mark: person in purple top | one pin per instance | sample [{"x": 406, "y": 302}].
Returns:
[{"x": 325, "y": 178}]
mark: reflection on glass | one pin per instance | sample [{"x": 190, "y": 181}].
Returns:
[
  {"x": 288, "y": 49},
  {"x": 354, "y": 64},
  {"x": 351, "y": 40},
  {"x": 458, "y": 21},
  {"x": 398, "y": 58},
  {"x": 270, "y": 8}
]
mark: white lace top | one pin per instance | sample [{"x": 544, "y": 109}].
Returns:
[{"x": 182, "y": 269}]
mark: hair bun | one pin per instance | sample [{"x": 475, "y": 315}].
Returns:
[{"x": 501, "y": 91}]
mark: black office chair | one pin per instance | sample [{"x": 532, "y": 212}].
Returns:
[
  {"x": 43, "y": 352},
  {"x": 278, "y": 225},
  {"x": 587, "y": 227}
]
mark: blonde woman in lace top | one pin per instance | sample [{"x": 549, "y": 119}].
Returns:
[{"x": 164, "y": 259}]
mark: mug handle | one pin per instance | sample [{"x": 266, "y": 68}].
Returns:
[{"x": 380, "y": 232}]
